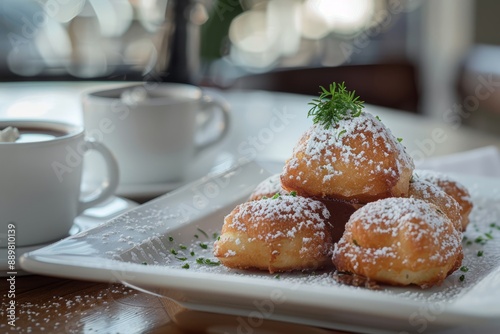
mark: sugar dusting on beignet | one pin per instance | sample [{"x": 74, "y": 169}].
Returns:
[
  {"x": 276, "y": 234},
  {"x": 429, "y": 192},
  {"x": 453, "y": 188},
  {"x": 400, "y": 241},
  {"x": 356, "y": 159}
]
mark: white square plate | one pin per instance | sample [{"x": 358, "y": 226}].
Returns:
[{"x": 152, "y": 246}]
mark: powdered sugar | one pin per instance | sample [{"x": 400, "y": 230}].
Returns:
[
  {"x": 348, "y": 142},
  {"x": 301, "y": 212},
  {"x": 440, "y": 178},
  {"x": 401, "y": 220},
  {"x": 70, "y": 313},
  {"x": 388, "y": 214},
  {"x": 429, "y": 192},
  {"x": 424, "y": 188},
  {"x": 230, "y": 253}
]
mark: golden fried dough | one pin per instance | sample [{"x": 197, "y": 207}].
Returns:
[
  {"x": 431, "y": 193},
  {"x": 453, "y": 188},
  {"x": 282, "y": 234},
  {"x": 400, "y": 241},
  {"x": 268, "y": 188},
  {"x": 357, "y": 160}
]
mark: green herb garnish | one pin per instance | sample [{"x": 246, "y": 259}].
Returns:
[
  {"x": 461, "y": 278},
  {"x": 464, "y": 269},
  {"x": 480, "y": 253},
  {"x": 204, "y": 246},
  {"x": 215, "y": 235},
  {"x": 208, "y": 262},
  {"x": 480, "y": 240},
  {"x": 181, "y": 258},
  {"x": 489, "y": 235},
  {"x": 173, "y": 251},
  {"x": 277, "y": 195},
  {"x": 203, "y": 232},
  {"x": 399, "y": 139},
  {"x": 192, "y": 253},
  {"x": 378, "y": 118},
  {"x": 185, "y": 266},
  {"x": 182, "y": 247},
  {"x": 334, "y": 105},
  {"x": 342, "y": 132},
  {"x": 170, "y": 239},
  {"x": 145, "y": 263},
  {"x": 196, "y": 236},
  {"x": 211, "y": 263},
  {"x": 277, "y": 276},
  {"x": 293, "y": 193}
]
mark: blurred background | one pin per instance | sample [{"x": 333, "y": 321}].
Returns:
[{"x": 439, "y": 58}]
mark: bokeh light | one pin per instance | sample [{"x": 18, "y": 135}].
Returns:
[{"x": 269, "y": 31}]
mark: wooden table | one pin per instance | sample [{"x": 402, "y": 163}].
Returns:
[{"x": 55, "y": 305}]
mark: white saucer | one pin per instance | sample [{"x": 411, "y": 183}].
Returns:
[{"x": 88, "y": 219}]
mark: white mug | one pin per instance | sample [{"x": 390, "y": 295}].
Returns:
[
  {"x": 40, "y": 180},
  {"x": 155, "y": 130}
]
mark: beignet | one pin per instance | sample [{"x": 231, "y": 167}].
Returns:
[
  {"x": 356, "y": 160},
  {"x": 453, "y": 188},
  {"x": 281, "y": 234},
  {"x": 400, "y": 241},
  {"x": 431, "y": 193}
]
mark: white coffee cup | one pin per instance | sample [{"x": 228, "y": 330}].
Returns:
[
  {"x": 155, "y": 130},
  {"x": 40, "y": 180}
]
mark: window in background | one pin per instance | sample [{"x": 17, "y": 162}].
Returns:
[
  {"x": 88, "y": 39},
  {"x": 265, "y": 35},
  {"x": 100, "y": 39}
]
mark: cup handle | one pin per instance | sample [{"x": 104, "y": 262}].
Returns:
[
  {"x": 221, "y": 105},
  {"x": 109, "y": 186}
]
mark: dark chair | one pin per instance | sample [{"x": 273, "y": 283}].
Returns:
[{"x": 388, "y": 85}]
